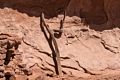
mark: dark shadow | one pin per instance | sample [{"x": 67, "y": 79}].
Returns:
[
  {"x": 34, "y": 7},
  {"x": 29, "y": 10},
  {"x": 95, "y": 18}
]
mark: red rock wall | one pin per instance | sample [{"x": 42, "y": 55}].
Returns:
[
  {"x": 92, "y": 10},
  {"x": 95, "y": 11}
]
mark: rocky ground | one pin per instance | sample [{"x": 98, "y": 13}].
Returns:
[{"x": 87, "y": 52}]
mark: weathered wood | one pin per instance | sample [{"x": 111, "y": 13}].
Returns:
[
  {"x": 57, "y": 53},
  {"x": 58, "y": 33}
]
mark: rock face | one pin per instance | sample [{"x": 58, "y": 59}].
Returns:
[
  {"x": 84, "y": 52},
  {"x": 94, "y": 11},
  {"x": 8, "y": 55}
]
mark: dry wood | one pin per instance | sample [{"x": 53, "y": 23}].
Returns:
[{"x": 57, "y": 54}]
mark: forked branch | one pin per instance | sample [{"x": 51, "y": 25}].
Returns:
[{"x": 56, "y": 49}]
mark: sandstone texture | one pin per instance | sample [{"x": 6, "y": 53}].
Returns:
[{"x": 89, "y": 46}]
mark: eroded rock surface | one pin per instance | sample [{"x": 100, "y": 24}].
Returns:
[
  {"x": 8, "y": 55},
  {"x": 85, "y": 52}
]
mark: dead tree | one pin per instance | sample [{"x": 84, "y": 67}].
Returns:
[
  {"x": 54, "y": 34},
  {"x": 58, "y": 33},
  {"x": 53, "y": 45}
]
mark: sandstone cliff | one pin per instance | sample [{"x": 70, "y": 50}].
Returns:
[{"x": 89, "y": 47}]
